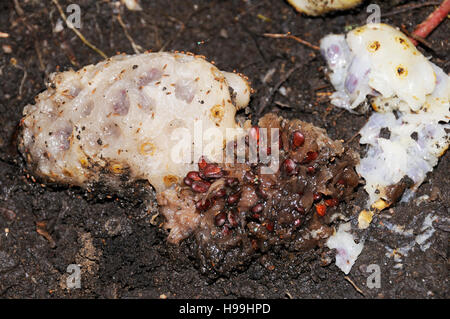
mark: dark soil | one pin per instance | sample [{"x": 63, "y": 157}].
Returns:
[{"x": 122, "y": 255}]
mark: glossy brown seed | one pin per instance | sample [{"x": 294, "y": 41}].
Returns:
[
  {"x": 200, "y": 186},
  {"x": 203, "y": 205},
  {"x": 233, "y": 219},
  {"x": 187, "y": 181},
  {"x": 257, "y": 208},
  {"x": 220, "y": 193},
  {"x": 234, "y": 198},
  {"x": 289, "y": 166},
  {"x": 297, "y": 139},
  {"x": 311, "y": 156},
  {"x": 212, "y": 171},
  {"x": 269, "y": 226},
  {"x": 194, "y": 176},
  {"x": 220, "y": 219}
]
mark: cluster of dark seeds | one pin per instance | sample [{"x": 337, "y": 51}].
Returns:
[{"x": 230, "y": 216}]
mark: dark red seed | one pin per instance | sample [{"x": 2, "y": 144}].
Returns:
[
  {"x": 317, "y": 196},
  {"x": 220, "y": 193},
  {"x": 297, "y": 222},
  {"x": 231, "y": 181},
  {"x": 331, "y": 202},
  {"x": 341, "y": 182},
  {"x": 220, "y": 219},
  {"x": 233, "y": 219},
  {"x": 233, "y": 198},
  {"x": 202, "y": 163},
  {"x": 269, "y": 150},
  {"x": 203, "y": 205},
  {"x": 212, "y": 171},
  {"x": 187, "y": 181},
  {"x": 311, "y": 156},
  {"x": 269, "y": 226},
  {"x": 200, "y": 186},
  {"x": 256, "y": 216},
  {"x": 289, "y": 166},
  {"x": 297, "y": 139},
  {"x": 257, "y": 208},
  {"x": 311, "y": 169},
  {"x": 195, "y": 176}
]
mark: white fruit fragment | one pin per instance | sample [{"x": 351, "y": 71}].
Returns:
[
  {"x": 318, "y": 7},
  {"x": 411, "y": 95},
  {"x": 347, "y": 251},
  {"x": 415, "y": 143},
  {"x": 124, "y": 118},
  {"x": 382, "y": 61}
]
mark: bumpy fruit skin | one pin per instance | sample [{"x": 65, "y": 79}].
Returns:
[
  {"x": 319, "y": 7},
  {"x": 121, "y": 119}
]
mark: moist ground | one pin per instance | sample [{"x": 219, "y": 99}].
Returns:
[{"x": 122, "y": 254}]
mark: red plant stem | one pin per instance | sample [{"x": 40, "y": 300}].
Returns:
[{"x": 432, "y": 21}]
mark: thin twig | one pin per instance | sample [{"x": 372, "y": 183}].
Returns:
[
  {"x": 18, "y": 8},
  {"x": 290, "y": 36},
  {"x": 354, "y": 285},
  {"x": 351, "y": 138},
  {"x": 136, "y": 47},
  {"x": 78, "y": 33},
  {"x": 430, "y": 23},
  {"x": 415, "y": 38},
  {"x": 433, "y": 20},
  {"x": 22, "y": 82},
  {"x": 182, "y": 27},
  {"x": 409, "y": 7},
  {"x": 39, "y": 55}
]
